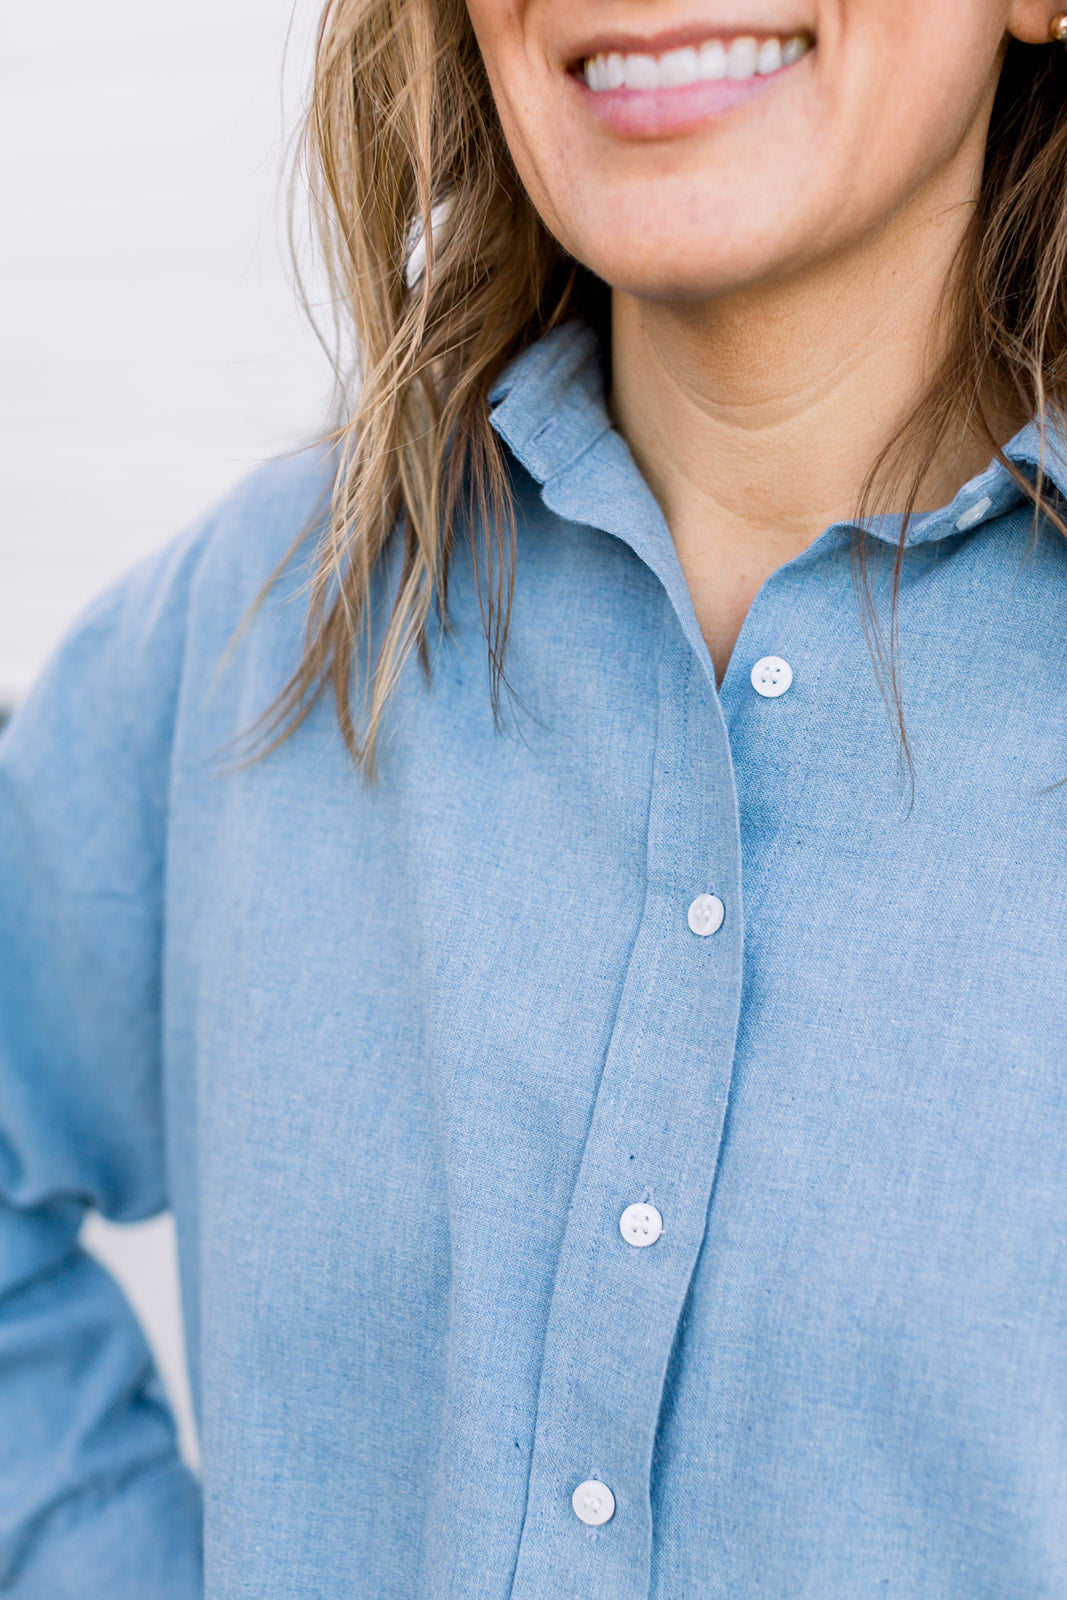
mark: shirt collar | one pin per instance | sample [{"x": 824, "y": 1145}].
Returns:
[
  {"x": 550, "y": 408},
  {"x": 550, "y": 405},
  {"x": 991, "y": 493}
]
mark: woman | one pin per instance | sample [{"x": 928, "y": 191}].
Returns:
[{"x": 611, "y": 1087}]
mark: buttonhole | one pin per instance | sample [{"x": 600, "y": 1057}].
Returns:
[{"x": 544, "y": 431}]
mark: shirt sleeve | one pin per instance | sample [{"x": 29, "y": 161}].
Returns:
[{"x": 94, "y": 1500}]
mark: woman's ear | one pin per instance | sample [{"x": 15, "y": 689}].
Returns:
[{"x": 1029, "y": 21}]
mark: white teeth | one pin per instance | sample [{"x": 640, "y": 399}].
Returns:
[
  {"x": 740, "y": 60},
  {"x": 770, "y": 58},
  {"x": 615, "y": 71},
  {"x": 640, "y": 72},
  {"x": 712, "y": 60},
  {"x": 677, "y": 68}
]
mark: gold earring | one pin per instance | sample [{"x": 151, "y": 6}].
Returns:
[{"x": 1057, "y": 28}]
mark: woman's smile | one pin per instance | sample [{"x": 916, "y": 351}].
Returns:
[{"x": 661, "y": 86}]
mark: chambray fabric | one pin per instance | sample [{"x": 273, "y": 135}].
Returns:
[{"x": 398, "y": 1056}]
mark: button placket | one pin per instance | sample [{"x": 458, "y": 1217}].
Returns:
[{"x": 659, "y": 1109}]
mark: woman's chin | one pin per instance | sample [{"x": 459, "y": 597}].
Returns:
[{"x": 680, "y": 266}]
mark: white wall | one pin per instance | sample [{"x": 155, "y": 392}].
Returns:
[{"x": 151, "y": 346}]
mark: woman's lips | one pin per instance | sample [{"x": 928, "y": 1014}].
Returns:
[{"x": 638, "y": 93}]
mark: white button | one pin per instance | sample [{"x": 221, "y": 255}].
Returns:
[
  {"x": 640, "y": 1225},
  {"x": 771, "y": 676},
  {"x": 706, "y": 914},
  {"x": 972, "y": 517},
  {"x": 593, "y": 1503}
]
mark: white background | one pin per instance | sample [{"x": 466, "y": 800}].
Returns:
[{"x": 152, "y": 349}]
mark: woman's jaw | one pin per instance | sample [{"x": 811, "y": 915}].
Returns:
[{"x": 686, "y": 149}]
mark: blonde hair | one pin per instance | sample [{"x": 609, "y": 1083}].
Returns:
[{"x": 402, "y": 144}]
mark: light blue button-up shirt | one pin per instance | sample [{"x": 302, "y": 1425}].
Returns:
[{"x": 400, "y": 1056}]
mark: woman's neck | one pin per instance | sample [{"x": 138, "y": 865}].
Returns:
[{"x": 757, "y": 417}]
